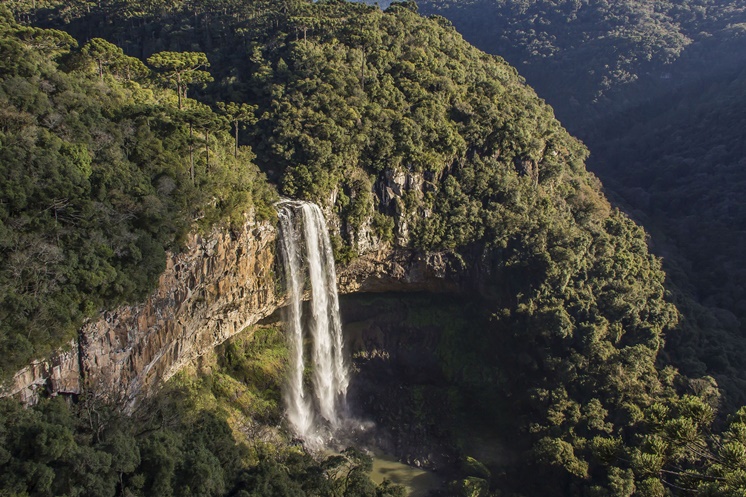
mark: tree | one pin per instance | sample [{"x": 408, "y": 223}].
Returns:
[
  {"x": 108, "y": 55},
  {"x": 181, "y": 69},
  {"x": 238, "y": 113},
  {"x": 202, "y": 117},
  {"x": 348, "y": 473},
  {"x": 52, "y": 42}
]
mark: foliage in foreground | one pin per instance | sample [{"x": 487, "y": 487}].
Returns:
[{"x": 198, "y": 437}]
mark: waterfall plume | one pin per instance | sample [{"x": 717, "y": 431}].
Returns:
[{"x": 308, "y": 265}]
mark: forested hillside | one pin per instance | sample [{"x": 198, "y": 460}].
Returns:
[
  {"x": 340, "y": 97},
  {"x": 94, "y": 185},
  {"x": 655, "y": 89},
  {"x": 682, "y": 167},
  {"x": 592, "y": 59}
]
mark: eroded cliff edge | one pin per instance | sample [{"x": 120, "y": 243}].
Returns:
[{"x": 218, "y": 285}]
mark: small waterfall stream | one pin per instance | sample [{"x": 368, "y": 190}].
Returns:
[{"x": 309, "y": 267}]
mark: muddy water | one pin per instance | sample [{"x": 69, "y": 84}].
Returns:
[{"x": 417, "y": 481}]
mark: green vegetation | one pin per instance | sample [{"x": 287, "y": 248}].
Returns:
[
  {"x": 592, "y": 59},
  {"x": 346, "y": 93},
  {"x": 410, "y": 136},
  {"x": 96, "y": 184},
  {"x": 478, "y": 394},
  {"x": 679, "y": 168},
  {"x": 199, "y": 436},
  {"x": 655, "y": 89},
  {"x": 181, "y": 69}
]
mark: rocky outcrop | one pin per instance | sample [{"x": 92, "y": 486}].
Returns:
[
  {"x": 59, "y": 374},
  {"x": 400, "y": 270},
  {"x": 527, "y": 167},
  {"x": 221, "y": 283}
]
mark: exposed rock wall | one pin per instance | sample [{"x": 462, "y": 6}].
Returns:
[
  {"x": 399, "y": 270},
  {"x": 217, "y": 286},
  {"x": 58, "y": 374},
  {"x": 213, "y": 290},
  {"x": 220, "y": 284}
]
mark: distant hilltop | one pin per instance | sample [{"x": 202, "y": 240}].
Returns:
[{"x": 383, "y": 4}]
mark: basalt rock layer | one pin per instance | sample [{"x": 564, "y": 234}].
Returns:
[
  {"x": 218, "y": 285},
  {"x": 400, "y": 270}
]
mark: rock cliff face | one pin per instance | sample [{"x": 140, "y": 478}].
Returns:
[
  {"x": 217, "y": 286},
  {"x": 399, "y": 270},
  {"x": 58, "y": 374},
  {"x": 213, "y": 290},
  {"x": 220, "y": 284}
]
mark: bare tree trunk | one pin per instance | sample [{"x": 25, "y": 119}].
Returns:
[
  {"x": 191, "y": 153},
  {"x": 207, "y": 149}
]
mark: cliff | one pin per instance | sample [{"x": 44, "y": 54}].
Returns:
[
  {"x": 58, "y": 374},
  {"x": 218, "y": 285},
  {"x": 400, "y": 270}
]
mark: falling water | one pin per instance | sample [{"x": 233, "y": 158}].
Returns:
[
  {"x": 298, "y": 405},
  {"x": 305, "y": 249}
]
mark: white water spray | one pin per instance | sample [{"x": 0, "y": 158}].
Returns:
[
  {"x": 306, "y": 247},
  {"x": 299, "y": 408}
]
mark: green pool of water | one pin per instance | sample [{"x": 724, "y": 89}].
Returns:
[{"x": 417, "y": 481}]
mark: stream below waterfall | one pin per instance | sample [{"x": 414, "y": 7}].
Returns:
[{"x": 417, "y": 481}]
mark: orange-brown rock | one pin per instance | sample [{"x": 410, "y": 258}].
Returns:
[
  {"x": 217, "y": 286},
  {"x": 59, "y": 374},
  {"x": 398, "y": 270}
]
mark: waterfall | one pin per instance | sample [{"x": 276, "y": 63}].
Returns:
[
  {"x": 298, "y": 405},
  {"x": 306, "y": 250}
]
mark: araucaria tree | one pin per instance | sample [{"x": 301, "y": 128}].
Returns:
[
  {"x": 110, "y": 57},
  {"x": 181, "y": 69},
  {"x": 238, "y": 113}
]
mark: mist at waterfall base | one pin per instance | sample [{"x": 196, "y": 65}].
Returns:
[{"x": 317, "y": 410}]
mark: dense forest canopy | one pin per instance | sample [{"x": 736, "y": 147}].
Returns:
[
  {"x": 344, "y": 96},
  {"x": 680, "y": 171},
  {"x": 590, "y": 58},
  {"x": 655, "y": 90}
]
